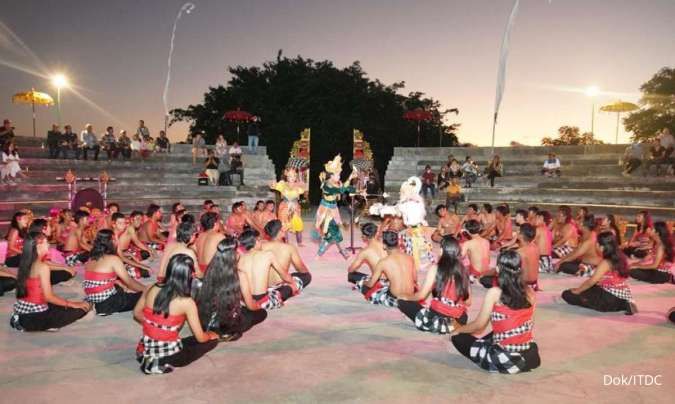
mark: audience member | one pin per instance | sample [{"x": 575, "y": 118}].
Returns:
[
  {"x": 470, "y": 171},
  {"x": 163, "y": 143},
  {"x": 109, "y": 143},
  {"x": 70, "y": 142},
  {"x": 632, "y": 157},
  {"x": 124, "y": 144},
  {"x": 551, "y": 166},
  {"x": 89, "y": 141},
  {"x": 494, "y": 169},
  {"x": 253, "y": 133},
  {"x": 54, "y": 138}
]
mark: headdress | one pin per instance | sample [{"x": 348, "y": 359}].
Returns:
[{"x": 334, "y": 166}]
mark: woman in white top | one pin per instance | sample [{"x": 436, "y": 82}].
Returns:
[
  {"x": 221, "y": 147},
  {"x": 136, "y": 145},
  {"x": 10, "y": 164}
]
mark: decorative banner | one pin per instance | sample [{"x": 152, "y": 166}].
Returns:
[{"x": 299, "y": 157}]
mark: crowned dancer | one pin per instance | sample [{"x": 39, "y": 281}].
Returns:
[
  {"x": 291, "y": 189},
  {"x": 328, "y": 219}
]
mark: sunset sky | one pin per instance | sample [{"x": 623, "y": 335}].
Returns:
[{"x": 115, "y": 52}]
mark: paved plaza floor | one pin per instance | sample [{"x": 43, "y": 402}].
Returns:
[{"x": 329, "y": 345}]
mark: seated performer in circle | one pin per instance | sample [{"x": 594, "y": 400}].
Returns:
[
  {"x": 543, "y": 239},
  {"x": 476, "y": 249},
  {"x": 448, "y": 284},
  {"x": 398, "y": 267},
  {"x": 565, "y": 234},
  {"x": 77, "y": 246},
  {"x": 102, "y": 273},
  {"x": 509, "y": 308},
  {"x": 185, "y": 235},
  {"x": 529, "y": 258},
  {"x": 128, "y": 247},
  {"x": 369, "y": 255},
  {"x": 286, "y": 254},
  {"x": 256, "y": 264},
  {"x": 224, "y": 300},
  {"x": 208, "y": 239},
  {"x": 163, "y": 310},
  {"x": 151, "y": 232},
  {"x": 661, "y": 266},
  {"x": 585, "y": 257},
  {"x": 37, "y": 308},
  {"x": 448, "y": 224},
  {"x": 606, "y": 290},
  {"x": 58, "y": 271}
]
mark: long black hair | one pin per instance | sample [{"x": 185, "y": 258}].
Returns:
[
  {"x": 15, "y": 224},
  {"x": 29, "y": 255},
  {"x": 612, "y": 253},
  {"x": 219, "y": 298},
  {"x": 177, "y": 283},
  {"x": 646, "y": 221},
  {"x": 514, "y": 292},
  {"x": 451, "y": 269},
  {"x": 661, "y": 229},
  {"x": 103, "y": 244}
]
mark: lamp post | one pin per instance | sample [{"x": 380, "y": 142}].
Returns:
[
  {"x": 592, "y": 92},
  {"x": 59, "y": 81}
]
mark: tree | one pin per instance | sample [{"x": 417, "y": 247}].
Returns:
[
  {"x": 658, "y": 106},
  {"x": 569, "y": 136},
  {"x": 292, "y": 94}
]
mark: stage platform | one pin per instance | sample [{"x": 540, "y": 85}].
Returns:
[{"x": 329, "y": 345}]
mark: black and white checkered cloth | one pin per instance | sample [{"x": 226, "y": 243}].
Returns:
[
  {"x": 24, "y": 307},
  {"x": 562, "y": 251},
  {"x": 381, "y": 296},
  {"x": 430, "y": 321},
  {"x": 621, "y": 291},
  {"x": 545, "y": 263},
  {"x": 73, "y": 259},
  {"x": 586, "y": 269},
  {"x": 362, "y": 164},
  {"x": 151, "y": 351},
  {"x": 99, "y": 296},
  {"x": 493, "y": 358},
  {"x": 522, "y": 329},
  {"x": 297, "y": 163},
  {"x": 272, "y": 300}
]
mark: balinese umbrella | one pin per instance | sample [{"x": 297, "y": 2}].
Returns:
[
  {"x": 418, "y": 115},
  {"x": 619, "y": 107},
  {"x": 33, "y": 97},
  {"x": 238, "y": 116}
]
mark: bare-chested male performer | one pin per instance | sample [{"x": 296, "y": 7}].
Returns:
[
  {"x": 398, "y": 267},
  {"x": 286, "y": 254},
  {"x": 370, "y": 255}
]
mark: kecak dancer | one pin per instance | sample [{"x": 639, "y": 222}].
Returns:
[
  {"x": 328, "y": 219},
  {"x": 291, "y": 189},
  {"x": 411, "y": 206}
]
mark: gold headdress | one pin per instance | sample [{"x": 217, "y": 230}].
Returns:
[{"x": 334, "y": 166}]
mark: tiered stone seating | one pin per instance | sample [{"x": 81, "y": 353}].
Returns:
[
  {"x": 590, "y": 177},
  {"x": 162, "y": 179}
]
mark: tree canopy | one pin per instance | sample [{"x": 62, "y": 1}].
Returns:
[
  {"x": 290, "y": 94},
  {"x": 570, "y": 136},
  {"x": 658, "y": 106}
]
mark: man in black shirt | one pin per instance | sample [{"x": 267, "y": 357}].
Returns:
[
  {"x": 69, "y": 142},
  {"x": 6, "y": 132},
  {"x": 253, "y": 133},
  {"x": 657, "y": 154},
  {"x": 54, "y": 138},
  {"x": 236, "y": 168}
]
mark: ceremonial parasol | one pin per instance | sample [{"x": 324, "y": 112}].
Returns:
[
  {"x": 238, "y": 116},
  {"x": 619, "y": 107},
  {"x": 418, "y": 115},
  {"x": 33, "y": 97}
]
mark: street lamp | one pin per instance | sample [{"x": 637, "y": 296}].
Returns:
[
  {"x": 59, "y": 81},
  {"x": 592, "y": 92}
]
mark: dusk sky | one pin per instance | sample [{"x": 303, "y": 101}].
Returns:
[{"x": 115, "y": 52}]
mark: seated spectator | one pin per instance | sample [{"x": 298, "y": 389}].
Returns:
[
  {"x": 54, "y": 142},
  {"x": 221, "y": 147},
  {"x": 143, "y": 132},
  {"x": 109, "y": 143},
  {"x": 455, "y": 169},
  {"x": 70, "y": 142},
  {"x": 235, "y": 150},
  {"x": 668, "y": 142},
  {"x": 10, "y": 167},
  {"x": 656, "y": 157},
  {"x": 551, "y": 166},
  {"x": 443, "y": 179},
  {"x": 6, "y": 132},
  {"x": 494, "y": 169},
  {"x": 89, "y": 141},
  {"x": 236, "y": 168},
  {"x": 454, "y": 194},
  {"x": 212, "y": 172},
  {"x": 224, "y": 169},
  {"x": 163, "y": 143},
  {"x": 136, "y": 145},
  {"x": 632, "y": 157},
  {"x": 470, "y": 171},
  {"x": 147, "y": 146},
  {"x": 124, "y": 144},
  {"x": 198, "y": 147}
]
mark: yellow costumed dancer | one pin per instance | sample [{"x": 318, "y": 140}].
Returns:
[{"x": 289, "y": 212}]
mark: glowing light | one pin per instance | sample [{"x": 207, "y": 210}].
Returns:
[
  {"x": 592, "y": 91},
  {"x": 59, "y": 81}
]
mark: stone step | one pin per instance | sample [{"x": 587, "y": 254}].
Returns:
[
  {"x": 399, "y": 161},
  {"x": 506, "y": 152}
]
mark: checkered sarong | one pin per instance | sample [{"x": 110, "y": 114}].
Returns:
[
  {"x": 24, "y": 307},
  {"x": 586, "y": 269},
  {"x": 99, "y": 296},
  {"x": 545, "y": 263},
  {"x": 271, "y": 300},
  {"x": 562, "y": 251},
  {"x": 494, "y": 358},
  {"x": 431, "y": 321},
  {"x": 378, "y": 294},
  {"x": 74, "y": 258},
  {"x": 617, "y": 286},
  {"x": 150, "y": 351}
]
